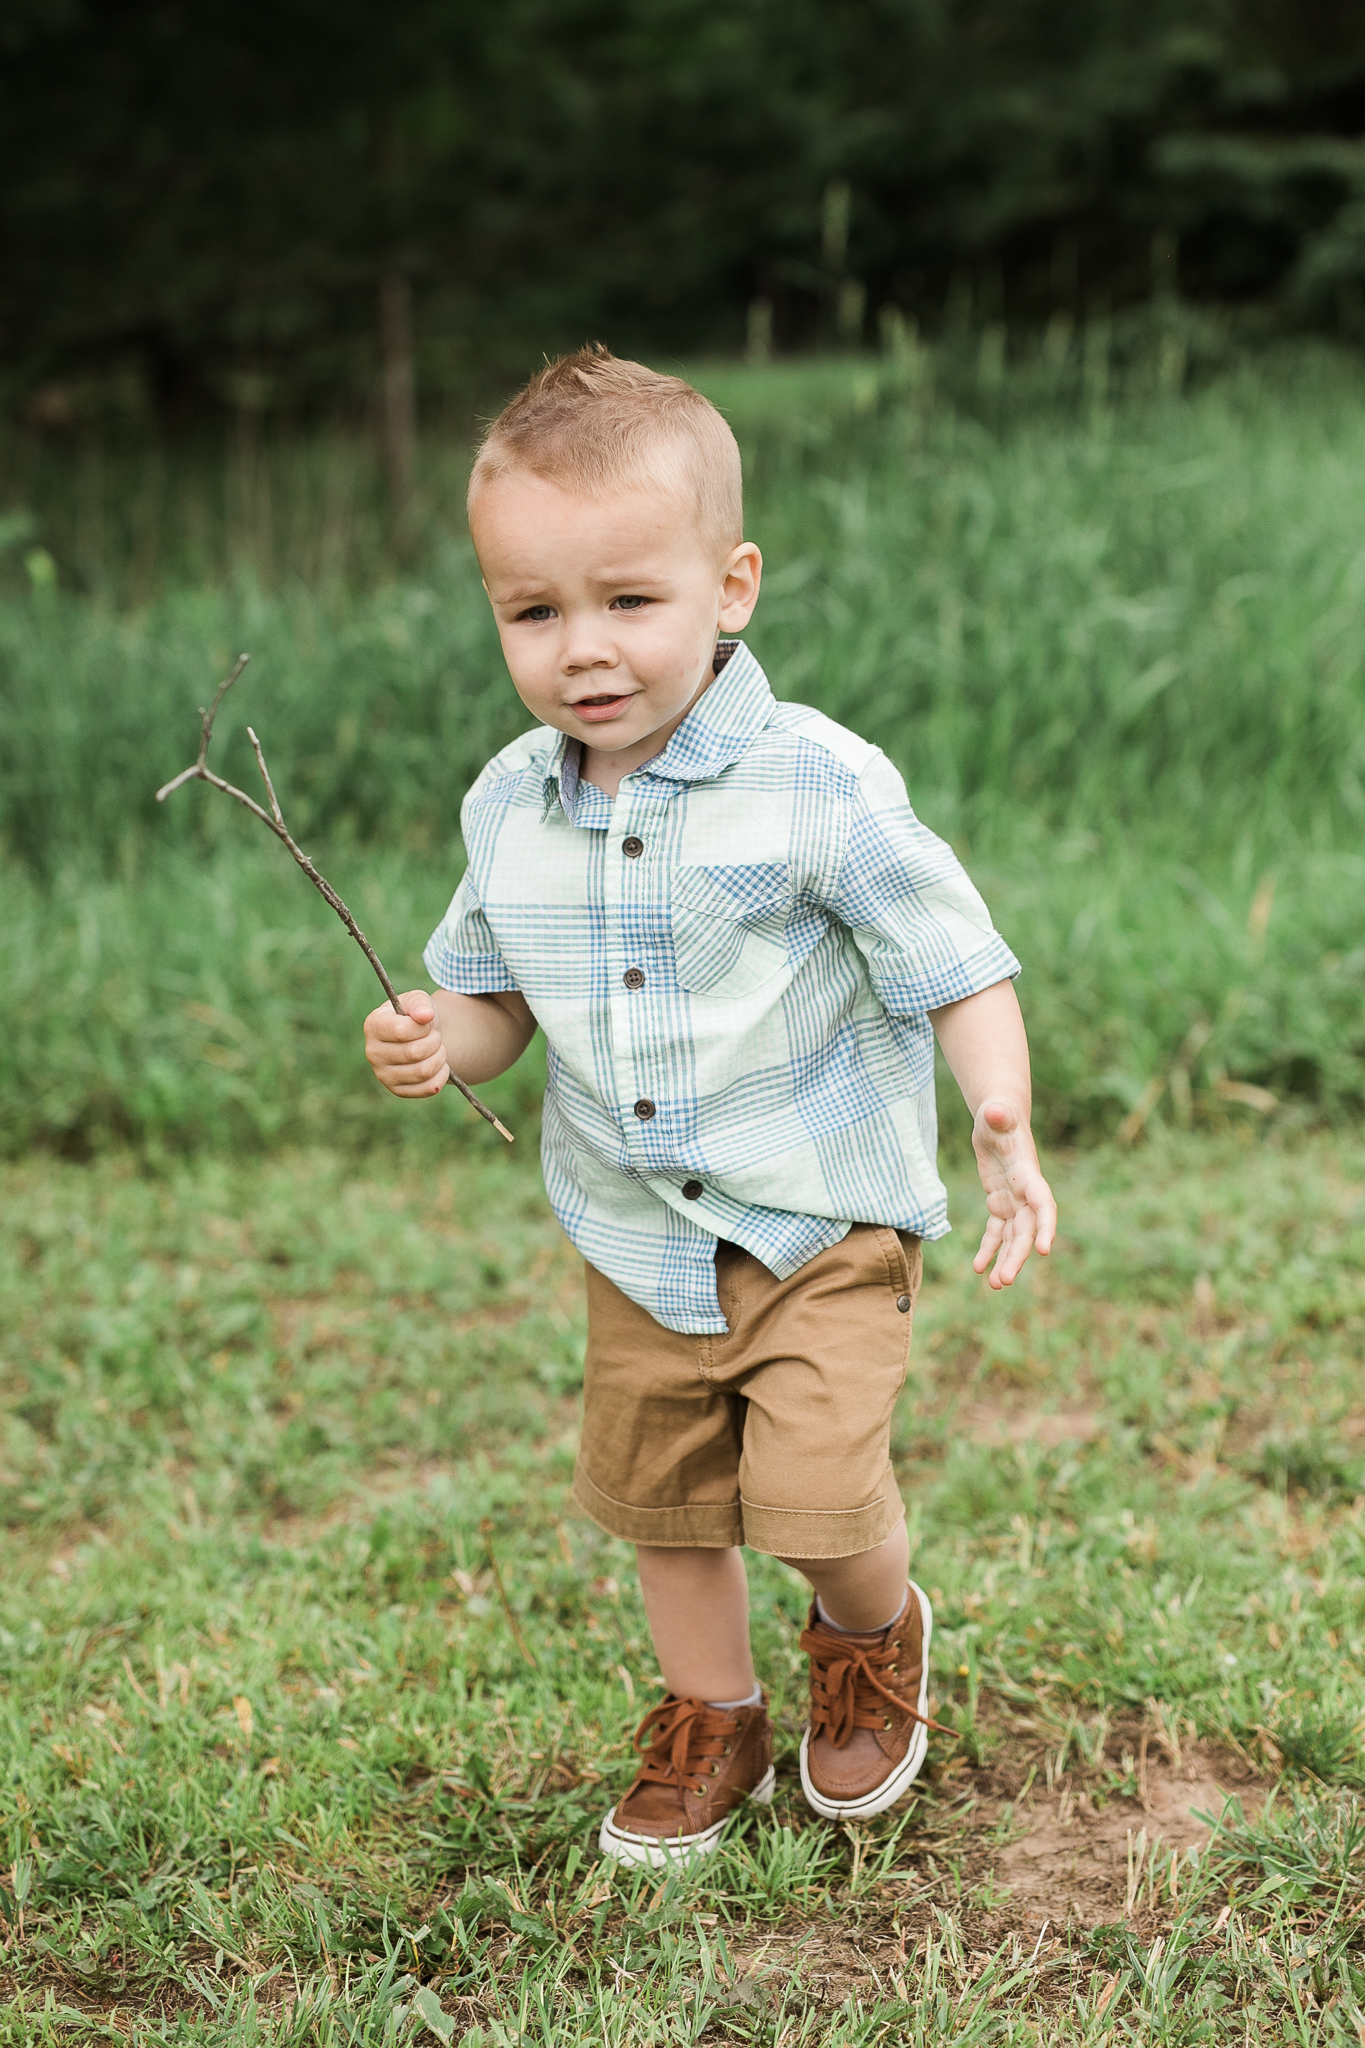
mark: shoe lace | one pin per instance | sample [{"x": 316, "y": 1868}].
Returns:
[
  {"x": 676, "y": 1736},
  {"x": 849, "y": 1688}
]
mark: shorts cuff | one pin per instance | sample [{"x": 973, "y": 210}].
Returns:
[
  {"x": 804, "y": 1532},
  {"x": 699, "y": 1525}
]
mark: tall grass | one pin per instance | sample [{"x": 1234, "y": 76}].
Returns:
[{"x": 1116, "y": 648}]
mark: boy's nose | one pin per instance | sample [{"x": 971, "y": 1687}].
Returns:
[{"x": 585, "y": 651}]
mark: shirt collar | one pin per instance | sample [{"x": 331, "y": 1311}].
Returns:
[{"x": 719, "y": 729}]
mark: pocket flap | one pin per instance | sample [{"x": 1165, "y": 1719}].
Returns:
[{"x": 744, "y": 894}]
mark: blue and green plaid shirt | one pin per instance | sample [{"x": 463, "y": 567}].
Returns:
[{"x": 732, "y": 961}]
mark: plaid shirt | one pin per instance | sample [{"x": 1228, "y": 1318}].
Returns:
[{"x": 732, "y": 961}]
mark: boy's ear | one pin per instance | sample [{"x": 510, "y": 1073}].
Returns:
[{"x": 741, "y": 576}]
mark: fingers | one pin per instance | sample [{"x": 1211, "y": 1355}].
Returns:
[
  {"x": 1024, "y": 1213},
  {"x": 1030, "y": 1226},
  {"x": 414, "y": 1082},
  {"x": 990, "y": 1244},
  {"x": 405, "y": 1049},
  {"x": 1018, "y": 1244},
  {"x": 1045, "y": 1209},
  {"x": 395, "y": 1028}
]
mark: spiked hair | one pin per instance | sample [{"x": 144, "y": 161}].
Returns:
[{"x": 591, "y": 422}]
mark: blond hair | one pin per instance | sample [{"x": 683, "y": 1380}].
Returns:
[{"x": 590, "y": 421}]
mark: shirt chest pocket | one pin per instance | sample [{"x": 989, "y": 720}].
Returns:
[{"x": 730, "y": 926}]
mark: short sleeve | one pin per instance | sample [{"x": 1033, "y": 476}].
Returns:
[
  {"x": 462, "y": 954},
  {"x": 923, "y": 930}
]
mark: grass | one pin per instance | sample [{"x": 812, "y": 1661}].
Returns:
[
  {"x": 1115, "y": 646},
  {"x": 312, "y": 1687},
  {"x": 315, "y": 1687},
  {"x": 217, "y": 1001}
]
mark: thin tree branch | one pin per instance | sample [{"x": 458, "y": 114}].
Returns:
[
  {"x": 274, "y": 818},
  {"x": 275, "y": 810}
]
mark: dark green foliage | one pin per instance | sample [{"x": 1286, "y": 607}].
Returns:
[{"x": 195, "y": 193}]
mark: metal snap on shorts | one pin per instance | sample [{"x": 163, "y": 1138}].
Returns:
[{"x": 775, "y": 1435}]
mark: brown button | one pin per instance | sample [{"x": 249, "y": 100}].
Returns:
[
  {"x": 903, "y": 1304},
  {"x": 691, "y": 1189},
  {"x": 632, "y": 848},
  {"x": 634, "y": 977},
  {"x": 644, "y": 1109}
]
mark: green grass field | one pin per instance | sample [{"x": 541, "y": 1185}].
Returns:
[
  {"x": 313, "y": 1688},
  {"x": 316, "y": 1688},
  {"x": 1116, "y": 649}
]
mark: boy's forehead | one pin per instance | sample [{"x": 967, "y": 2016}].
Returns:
[{"x": 523, "y": 522}]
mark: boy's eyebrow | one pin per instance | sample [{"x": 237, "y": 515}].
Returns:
[
  {"x": 620, "y": 577},
  {"x": 608, "y": 579}
]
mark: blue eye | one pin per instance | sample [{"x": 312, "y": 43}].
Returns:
[
  {"x": 537, "y": 612},
  {"x": 630, "y": 604}
]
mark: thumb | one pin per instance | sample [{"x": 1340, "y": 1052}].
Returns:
[
  {"x": 418, "y": 1005},
  {"x": 998, "y": 1116}
]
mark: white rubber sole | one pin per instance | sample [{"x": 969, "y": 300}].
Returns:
[
  {"x": 654, "y": 1852},
  {"x": 907, "y": 1770}
]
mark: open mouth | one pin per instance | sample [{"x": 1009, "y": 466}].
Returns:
[{"x": 601, "y": 706}]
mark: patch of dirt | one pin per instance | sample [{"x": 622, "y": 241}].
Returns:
[
  {"x": 1082, "y": 1859},
  {"x": 994, "y": 1422}
]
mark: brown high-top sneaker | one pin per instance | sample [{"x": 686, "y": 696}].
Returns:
[
  {"x": 869, "y": 1724},
  {"x": 699, "y": 1764}
]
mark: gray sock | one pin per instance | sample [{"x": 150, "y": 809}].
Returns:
[
  {"x": 838, "y": 1626},
  {"x": 729, "y": 1706}
]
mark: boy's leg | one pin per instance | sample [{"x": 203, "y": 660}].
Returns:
[
  {"x": 824, "y": 1359},
  {"x": 659, "y": 1467},
  {"x": 868, "y": 1644},
  {"x": 708, "y": 1744},
  {"x": 863, "y": 1592},
  {"x": 698, "y": 1607}
]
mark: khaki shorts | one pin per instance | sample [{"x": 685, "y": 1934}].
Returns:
[{"x": 775, "y": 1435}]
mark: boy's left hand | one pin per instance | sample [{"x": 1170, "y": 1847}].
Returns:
[{"x": 1023, "y": 1212}]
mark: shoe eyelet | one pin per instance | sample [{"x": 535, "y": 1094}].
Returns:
[
  {"x": 715, "y": 1770},
  {"x": 886, "y": 1723},
  {"x": 895, "y": 1646},
  {"x": 726, "y": 1750}
]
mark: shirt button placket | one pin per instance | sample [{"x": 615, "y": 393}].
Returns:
[{"x": 626, "y": 881}]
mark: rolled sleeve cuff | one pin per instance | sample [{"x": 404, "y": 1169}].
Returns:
[
  {"x": 951, "y": 982},
  {"x": 465, "y": 974}
]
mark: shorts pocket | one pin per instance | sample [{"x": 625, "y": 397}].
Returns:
[
  {"x": 904, "y": 1264},
  {"x": 730, "y": 926}
]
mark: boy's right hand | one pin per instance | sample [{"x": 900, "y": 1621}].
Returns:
[{"x": 407, "y": 1053}]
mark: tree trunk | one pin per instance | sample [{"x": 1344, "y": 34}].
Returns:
[{"x": 399, "y": 391}]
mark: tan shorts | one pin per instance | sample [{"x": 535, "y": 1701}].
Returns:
[{"x": 776, "y": 1435}]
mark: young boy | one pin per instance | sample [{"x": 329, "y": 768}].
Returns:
[{"x": 739, "y": 942}]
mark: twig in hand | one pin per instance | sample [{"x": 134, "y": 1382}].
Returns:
[{"x": 274, "y": 818}]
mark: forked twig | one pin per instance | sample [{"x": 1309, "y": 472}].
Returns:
[{"x": 274, "y": 818}]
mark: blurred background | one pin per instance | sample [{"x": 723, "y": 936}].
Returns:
[{"x": 1041, "y": 330}]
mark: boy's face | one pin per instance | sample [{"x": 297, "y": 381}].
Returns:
[{"x": 608, "y": 608}]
